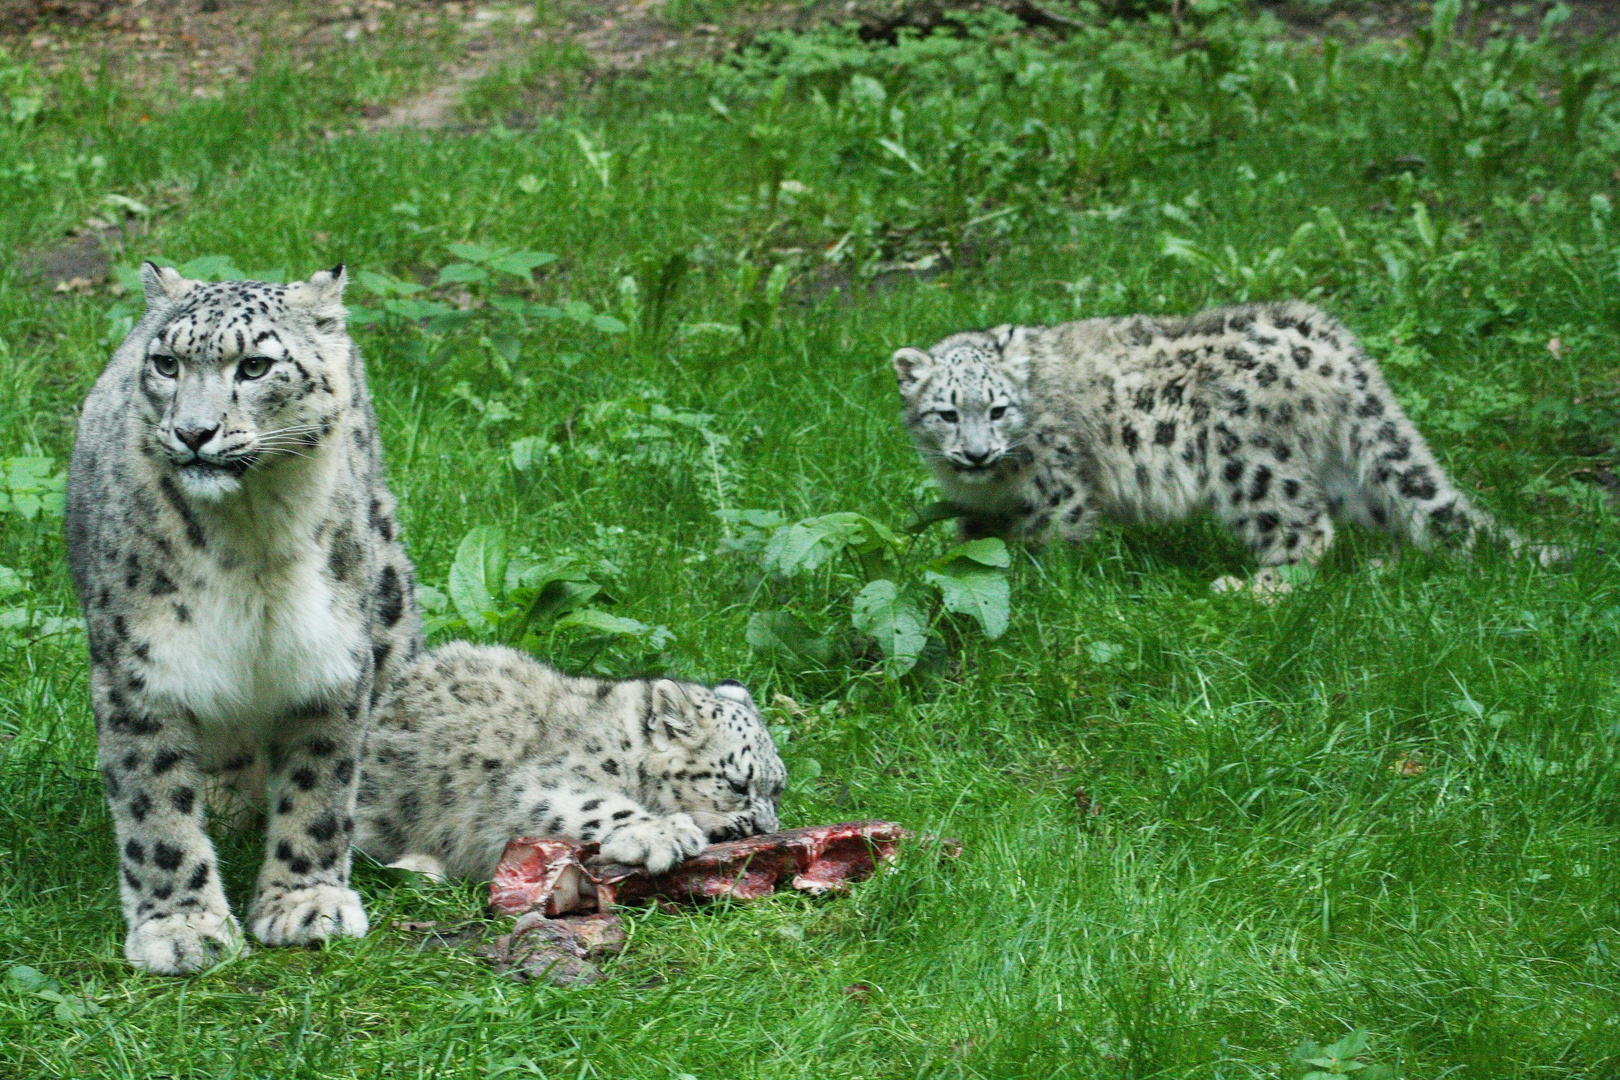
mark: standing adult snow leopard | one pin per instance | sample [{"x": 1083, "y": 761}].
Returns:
[
  {"x": 1270, "y": 415},
  {"x": 241, "y": 572}
]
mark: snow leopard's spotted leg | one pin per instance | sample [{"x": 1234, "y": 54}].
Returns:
[
  {"x": 173, "y": 902},
  {"x": 1055, "y": 502},
  {"x": 303, "y": 894},
  {"x": 1281, "y": 514}
]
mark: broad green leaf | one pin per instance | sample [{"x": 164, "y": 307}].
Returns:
[
  {"x": 806, "y": 545},
  {"x": 478, "y": 574},
  {"x": 528, "y": 451},
  {"x": 477, "y": 253},
  {"x": 11, "y": 582},
  {"x": 430, "y": 599},
  {"x": 933, "y": 514},
  {"x": 416, "y": 309},
  {"x": 358, "y": 315},
  {"x": 603, "y": 623},
  {"x": 783, "y": 632},
  {"x": 970, "y": 589},
  {"x": 990, "y": 551},
  {"x": 759, "y": 519},
  {"x": 1106, "y": 652},
  {"x": 30, "y": 980},
  {"x": 460, "y": 273},
  {"x": 518, "y": 306},
  {"x": 522, "y": 263},
  {"x": 608, "y": 324},
  {"x": 889, "y": 615},
  {"x": 384, "y": 285}
]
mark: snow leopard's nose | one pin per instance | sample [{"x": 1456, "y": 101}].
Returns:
[
  {"x": 195, "y": 437},
  {"x": 976, "y": 457}
]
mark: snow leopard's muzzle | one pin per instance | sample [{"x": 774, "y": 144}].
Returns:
[{"x": 759, "y": 817}]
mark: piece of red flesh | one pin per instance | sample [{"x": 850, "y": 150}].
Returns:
[{"x": 555, "y": 876}]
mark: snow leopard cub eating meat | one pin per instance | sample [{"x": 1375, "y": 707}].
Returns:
[
  {"x": 1270, "y": 415},
  {"x": 475, "y": 745}
]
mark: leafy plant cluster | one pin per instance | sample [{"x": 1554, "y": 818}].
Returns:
[
  {"x": 898, "y": 598},
  {"x": 546, "y": 606}
]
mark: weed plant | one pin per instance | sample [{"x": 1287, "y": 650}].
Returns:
[{"x": 1201, "y": 836}]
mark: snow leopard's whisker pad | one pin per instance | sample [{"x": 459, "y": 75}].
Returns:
[
  {"x": 475, "y": 745},
  {"x": 1269, "y": 415},
  {"x": 245, "y": 588}
]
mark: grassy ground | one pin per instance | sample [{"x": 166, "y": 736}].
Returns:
[{"x": 1386, "y": 803}]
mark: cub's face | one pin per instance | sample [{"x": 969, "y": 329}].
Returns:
[
  {"x": 720, "y": 766},
  {"x": 964, "y": 404},
  {"x": 241, "y": 374}
]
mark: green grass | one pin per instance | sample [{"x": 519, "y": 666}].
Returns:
[{"x": 1263, "y": 869}]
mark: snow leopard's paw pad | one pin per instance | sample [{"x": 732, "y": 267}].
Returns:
[
  {"x": 308, "y": 916},
  {"x": 185, "y": 942},
  {"x": 657, "y": 844}
]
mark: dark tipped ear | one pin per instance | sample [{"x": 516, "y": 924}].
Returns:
[
  {"x": 322, "y": 294},
  {"x": 1002, "y": 334},
  {"x": 674, "y": 716},
  {"x": 909, "y": 364},
  {"x": 163, "y": 283},
  {"x": 732, "y": 690}
]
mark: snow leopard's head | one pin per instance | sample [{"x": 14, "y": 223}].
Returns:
[
  {"x": 964, "y": 402},
  {"x": 241, "y": 374},
  {"x": 715, "y": 758}
]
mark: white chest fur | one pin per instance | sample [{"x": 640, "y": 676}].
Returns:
[{"x": 257, "y": 644}]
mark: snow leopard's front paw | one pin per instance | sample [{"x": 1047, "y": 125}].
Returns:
[
  {"x": 657, "y": 844},
  {"x": 185, "y": 942},
  {"x": 308, "y": 916}
]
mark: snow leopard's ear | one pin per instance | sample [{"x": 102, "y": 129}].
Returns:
[
  {"x": 732, "y": 690},
  {"x": 908, "y": 365},
  {"x": 675, "y": 717},
  {"x": 321, "y": 295},
  {"x": 163, "y": 283},
  {"x": 1003, "y": 334}
]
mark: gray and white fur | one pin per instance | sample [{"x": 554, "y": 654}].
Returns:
[
  {"x": 475, "y": 745},
  {"x": 237, "y": 558},
  {"x": 1269, "y": 415}
]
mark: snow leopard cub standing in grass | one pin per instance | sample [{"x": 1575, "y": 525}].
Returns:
[
  {"x": 1270, "y": 415},
  {"x": 242, "y": 577},
  {"x": 475, "y": 745}
]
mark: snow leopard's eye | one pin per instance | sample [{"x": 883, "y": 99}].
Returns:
[
  {"x": 166, "y": 366},
  {"x": 253, "y": 367},
  {"x": 998, "y": 412},
  {"x": 949, "y": 416}
]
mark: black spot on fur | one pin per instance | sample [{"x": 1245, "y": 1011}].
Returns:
[
  {"x": 305, "y": 778},
  {"x": 199, "y": 877},
  {"x": 1267, "y": 375},
  {"x": 323, "y": 828},
  {"x": 285, "y": 806},
  {"x": 135, "y": 853},
  {"x": 140, "y": 806},
  {"x": 343, "y": 771},
  {"x": 1233, "y": 471},
  {"x": 610, "y": 766},
  {"x": 1128, "y": 438},
  {"x": 1290, "y": 488},
  {"x": 183, "y": 799},
  {"x": 587, "y": 807},
  {"x": 320, "y": 746},
  {"x": 390, "y": 597},
  {"x": 165, "y": 761},
  {"x": 1302, "y": 356},
  {"x": 167, "y": 856},
  {"x": 1416, "y": 483},
  {"x": 1164, "y": 433},
  {"x": 1261, "y": 483},
  {"x": 1266, "y": 523}
]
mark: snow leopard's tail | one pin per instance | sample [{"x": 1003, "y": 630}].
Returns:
[{"x": 1397, "y": 486}]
